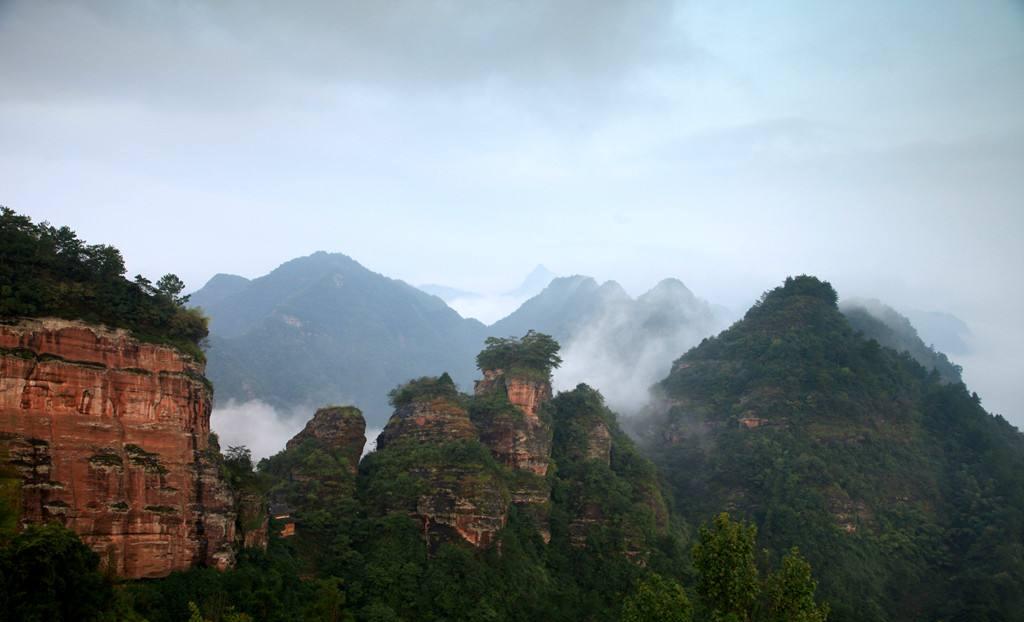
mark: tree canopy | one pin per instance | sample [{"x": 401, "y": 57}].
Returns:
[
  {"x": 49, "y": 271},
  {"x": 533, "y": 352}
]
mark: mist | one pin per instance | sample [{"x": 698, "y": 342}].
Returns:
[
  {"x": 264, "y": 429},
  {"x": 878, "y": 145},
  {"x": 631, "y": 344}
]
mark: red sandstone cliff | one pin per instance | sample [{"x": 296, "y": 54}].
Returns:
[
  {"x": 520, "y": 440},
  {"x": 110, "y": 436}
]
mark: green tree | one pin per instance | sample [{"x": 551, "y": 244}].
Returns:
[
  {"x": 48, "y": 575},
  {"x": 727, "y": 583},
  {"x": 789, "y": 592},
  {"x": 170, "y": 287},
  {"x": 534, "y": 352},
  {"x": 657, "y": 599}
]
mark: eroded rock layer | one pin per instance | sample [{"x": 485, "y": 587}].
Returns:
[
  {"x": 340, "y": 429},
  {"x": 426, "y": 421},
  {"x": 110, "y": 436},
  {"x": 459, "y": 493},
  {"x": 520, "y": 440}
]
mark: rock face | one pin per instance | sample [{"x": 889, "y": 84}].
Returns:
[
  {"x": 520, "y": 440},
  {"x": 339, "y": 428},
  {"x": 428, "y": 421},
  {"x": 461, "y": 501},
  {"x": 458, "y": 495},
  {"x": 110, "y": 436}
]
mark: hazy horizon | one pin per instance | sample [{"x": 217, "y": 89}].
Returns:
[{"x": 879, "y": 146}]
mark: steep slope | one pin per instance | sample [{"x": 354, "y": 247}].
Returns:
[
  {"x": 104, "y": 409},
  {"x": 110, "y": 436},
  {"x": 893, "y": 482},
  {"x": 323, "y": 328},
  {"x": 893, "y": 330}
]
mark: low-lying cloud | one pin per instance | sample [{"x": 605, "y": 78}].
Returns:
[
  {"x": 264, "y": 429},
  {"x": 630, "y": 346}
]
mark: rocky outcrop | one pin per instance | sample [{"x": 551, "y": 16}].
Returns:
[
  {"x": 434, "y": 420},
  {"x": 340, "y": 429},
  {"x": 517, "y": 437},
  {"x": 460, "y": 495},
  {"x": 511, "y": 427},
  {"x": 462, "y": 501},
  {"x": 110, "y": 436}
]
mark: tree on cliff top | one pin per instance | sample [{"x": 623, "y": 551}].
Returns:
[
  {"x": 534, "y": 352},
  {"x": 49, "y": 271},
  {"x": 425, "y": 388}
]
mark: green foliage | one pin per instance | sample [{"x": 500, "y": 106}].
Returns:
[
  {"x": 723, "y": 557},
  {"x": 48, "y": 575},
  {"x": 48, "y": 271},
  {"x": 891, "y": 481},
  {"x": 657, "y": 598},
  {"x": 10, "y": 497},
  {"x": 535, "y": 354},
  {"x": 789, "y": 593},
  {"x": 424, "y": 388}
]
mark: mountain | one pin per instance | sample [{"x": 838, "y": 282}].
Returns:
[
  {"x": 535, "y": 281},
  {"x": 324, "y": 329},
  {"x": 897, "y": 485},
  {"x": 217, "y": 289}
]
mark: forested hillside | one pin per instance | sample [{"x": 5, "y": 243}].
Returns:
[{"x": 899, "y": 487}]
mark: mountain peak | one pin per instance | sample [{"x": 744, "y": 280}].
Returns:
[{"x": 538, "y": 278}]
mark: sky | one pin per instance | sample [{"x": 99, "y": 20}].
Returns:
[{"x": 879, "y": 145}]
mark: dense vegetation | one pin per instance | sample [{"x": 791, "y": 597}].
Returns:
[
  {"x": 425, "y": 388},
  {"x": 49, "y": 271},
  {"x": 892, "y": 330},
  {"x": 887, "y": 474},
  {"x": 532, "y": 355},
  {"x": 893, "y": 482}
]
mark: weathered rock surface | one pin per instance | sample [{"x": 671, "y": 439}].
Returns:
[
  {"x": 110, "y": 436},
  {"x": 428, "y": 421},
  {"x": 462, "y": 502},
  {"x": 459, "y": 496},
  {"x": 520, "y": 440},
  {"x": 341, "y": 429}
]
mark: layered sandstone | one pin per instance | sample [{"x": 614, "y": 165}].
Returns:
[
  {"x": 428, "y": 421},
  {"x": 340, "y": 429},
  {"x": 517, "y": 437},
  {"x": 110, "y": 436},
  {"x": 460, "y": 495}
]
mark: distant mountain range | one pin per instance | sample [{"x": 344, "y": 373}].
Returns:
[
  {"x": 535, "y": 281},
  {"x": 323, "y": 329}
]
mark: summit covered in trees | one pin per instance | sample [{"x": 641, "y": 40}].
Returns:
[{"x": 49, "y": 271}]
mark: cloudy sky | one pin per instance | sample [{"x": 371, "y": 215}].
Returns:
[{"x": 877, "y": 144}]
